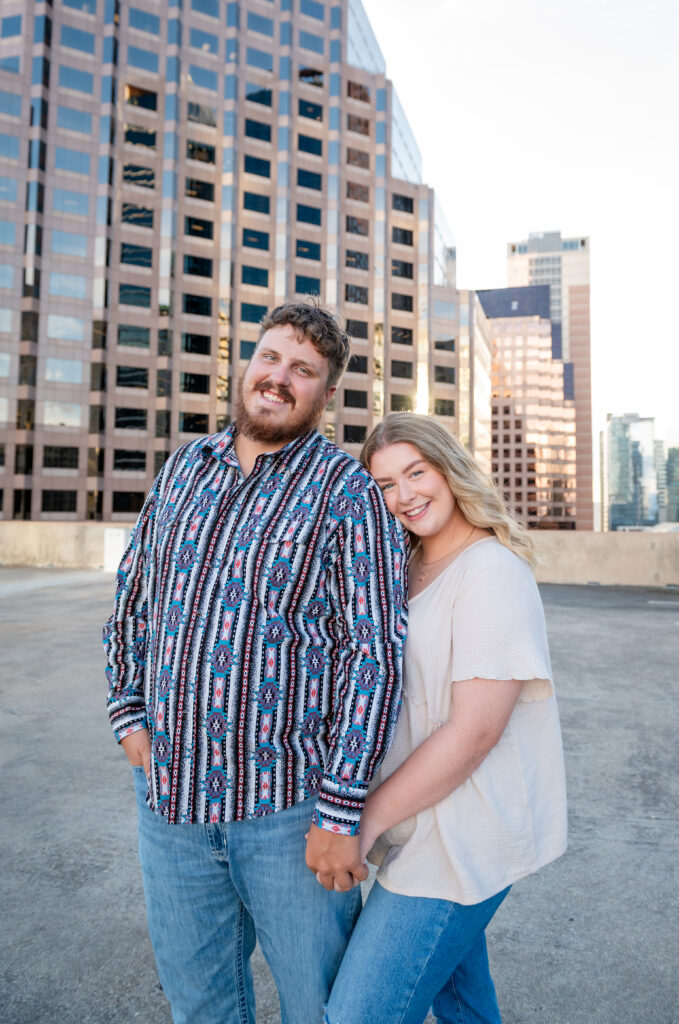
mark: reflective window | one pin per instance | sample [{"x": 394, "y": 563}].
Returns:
[
  {"x": 65, "y": 201},
  {"x": 357, "y": 226},
  {"x": 147, "y": 60},
  {"x": 72, "y": 78},
  {"x": 144, "y": 21},
  {"x": 9, "y": 146},
  {"x": 354, "y": 434},
  {"x": 200, "y": 189},
  {"x": 134, "y": 295},
  {"x": 257, "y": 130},
  {"x": 65, "y": 328},
  {"x": 138, "y": 97},
  {"x": 314, "y": 111},
  {"x": 133, "y": 336},
  {"x": 199, "y": 266},
  {"x": 194, "y": 383},
  {"x": 13, "y": 64},
  {"x": 309, "y": 179},
  {"x": 256, "y": 202},
  {"x": 72, "y": 160},
  {"x": 259, "y": 59},
  {"x": 70, "y": 286},
  {"x": 254, "y": 165},
  {"x": 204, "y": 78},
  {"x": 9, "y": 189},
  {"x": 258, "y": 23},
  {"x": 308, "y": 214},
  {"x": 402, "y": 302},
  {"x": 135, "y": 135},
  {"x": 136, "y": 255},
  {"x": 255, "y": 275},
  {"x": 134, "y": 174},
  {"x": 251, "y": 313},
  {"x": 63, "y": 371},
  {"x": 197, "y": 305},
  {"x": 39, "y": 108},
  {"x": 200, "y": 113},
  {"x": 444, "y": 374},
  {"x": 356, "y": 293},
  {"x": 312, "y": 9},
  {"x": 36, "y": 154},
  {"x": 307, "y": 250},
  {"x": 75, "y": 39},
  {"x": 10, "y": 104},
  {"x": 247, "y": 348},
  {"x": 361, "y": 193},
  {"x": 357, "y": 91},
  {"x": 74, "y": 120},
  {"x": 307, "y": 285},
  {"x": 307, "y": 144},
  {"x": 205, "y": 41},
  {"x": 132, "y": 377},
  {"x": 403, "y": 203},
  {"x": 445, "y": 344},
  {"x": 399, "y": 268},
  {"x": 355, "y": 399},
  {"x": 255, "y": 239},
  {"x": 87, "y": 6},
  {"x": 198, "y": 344},
  {"x": 358, "y": 260},
  {"x": 5, "y": 322},
  {"x": 401, "y": 236},
  {"x": 10, "y": 26},
  {"x": 128, "y": 501},
  {"x": 193, "y": 422},
  {"x": 309, "y": 41},
  {"x": 209, "y": 7},
  {"x": 444, "y": 407},
  {"x": 200, "y": 151},
  {"x": 197, "y": 227},
  {"x": 256, "y": 94},
  {"x": 59, "y": 457},
  {"x": 401, "y": 369},
  {"x": 129, "y": 459},
  {"x": 357, "y": 329},
  {"x": 6, "y": 275},
  {"x": 402, "y": 403},
  {"x": 59, "y": 501},
  {"x": 357, "y": 158},
  {"x": 133, "y": 213},
  {"x": 358, "y": 364},
  {"x": 361, "y": 125},
  {"x": 130, "y": 419}
]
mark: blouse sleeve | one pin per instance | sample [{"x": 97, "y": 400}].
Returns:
[{"x": 499, "y": 628}]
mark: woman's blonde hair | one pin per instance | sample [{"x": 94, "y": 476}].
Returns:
[{"x": 479, "y": 499}]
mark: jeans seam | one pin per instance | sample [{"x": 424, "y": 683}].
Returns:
[
  {"x": 240, "y": 973},
  {"x": 432, "y": 949}
]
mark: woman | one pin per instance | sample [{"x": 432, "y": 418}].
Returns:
[{"x": 471, "y": 796}]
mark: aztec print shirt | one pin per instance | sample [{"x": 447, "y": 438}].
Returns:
[{"x": 258, "y": 632}]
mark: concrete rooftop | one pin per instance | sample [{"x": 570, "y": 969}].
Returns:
[{"x": 592, "y": 939}]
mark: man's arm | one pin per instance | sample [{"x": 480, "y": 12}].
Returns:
[{"x": 366, "y": 588}]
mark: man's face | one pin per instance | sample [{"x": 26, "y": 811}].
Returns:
[{"x": 284, "y": 389}]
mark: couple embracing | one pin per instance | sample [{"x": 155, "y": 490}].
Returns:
[{"x": 285, "y": 722}]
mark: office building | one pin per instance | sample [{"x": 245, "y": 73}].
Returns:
[
  {"x": 168, "y": 173},
  {"x": 474, "y": 384},
  {"x": 630, "y": 488},
  {"x": 672, "y": 477},
  {"x": 533, "y": 425},
  {"x": 563, "y": 264}
]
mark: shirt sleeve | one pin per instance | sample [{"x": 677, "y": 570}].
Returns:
[
  {"x": 367, "y": 585},
  {"x": 125, "y": 633},
  {"x": 499, "y": 629}
]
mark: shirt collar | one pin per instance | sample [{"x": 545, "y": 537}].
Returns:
[{"x": 221, "y": 446}]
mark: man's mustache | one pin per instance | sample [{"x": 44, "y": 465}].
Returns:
[{"x": 278, "y": 389}]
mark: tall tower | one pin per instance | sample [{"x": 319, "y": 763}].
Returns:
[
  {"x": 630, "y": 456},
  {"x": 168, "y": 173},
  {"x": 563, "y": 264}
]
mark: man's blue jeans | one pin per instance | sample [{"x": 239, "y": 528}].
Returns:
[
  {"x": 211, "y": 890},
  {"x": 408, "y": 953}
]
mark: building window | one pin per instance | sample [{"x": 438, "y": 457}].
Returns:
[
  {"x": 256, "y": 202},
  {"x": 71, "y": 120},
  {"x": 144, "y": 21},
  {"x": 133, "y": 336},
  {"x": 197, "y": 305},
  {"x": 356, "y": 293},
  {"x": 134, "y": 295},
  {"x": 71, "y": 78},
  {"x": 254, "y": 165},
  {"x": 308, "y": 214},
  {"x": 257, "y": 130},
  {"x": 133, "y": 174},
  {"x": 201, "y": 113},
  {"x": 357, "y": 91},
  {"x": 198, "y": 189},
  {"x": 127, "y": 459},
  {"x": 128, "y": 501},
  {"x": 399, "y": 268},
  {"x": 59, "y": 501},
  {"x": 197, "y": 344},
  {"x": 258, "y": 23},
  {"x": 256, "y": 94},
  {"x": 311, "y": 76},
  {"x": 247, "y": 349},
  {"x": 200, "y": 151},
  {"x": 444, "y": 407},
  {"x": 357, "y": 225},
  {"x": 193, "y": 422},
  {"x": 255, "y": 239},
  {"x": 353, "y": 434},
  {"x": 140, "y": 216},
  {"x": 163, "y": 383},
  {"x": 132, "y": 377},
  {"x": 357, "y": 158},
  {"x": 399, "y": 368},
  {"x": 307, "y": 285},
  {"x": 309, "y": 179},
  {"x": 251, "y": 313},
  {"x": 357, "y": 260},
  {"x": 312, "y": 111},
  {"x": 198, "y": 228},
  {"x": 138, "y": 136},
  {"x": 445, "y": 344},
  {"x": 130, "y": 419},
  {"x": 361, "y": 193},
  {"x": 361, "y": 125},
  {"x": 23, "y": 459},
  {"x": 259, "y": 59},
  {"x": 401, "y": 236},
  {"x": 143, "y": 98},
  {"x": 198, "y": 266},
  {"x": 355, "y": 399},
  {"x": 358, "y": 364},
  {"x": 357, "y": 329},
  {"x": 402, "y": 203},
  {"x": 402, "y": 403},
  {"x": 307, "y": 250},
  {"x": 404, "y": 303},
  {"x": 307, "y": 144},
  {"x": 135, "y": 255},
  {"x": 162, "y": 422},
  {"x": 444, "y": 374},
  {"x": 59, "y": 457},
  {"x": 258, "y": 276},
  {"x": 194, "y": 383}
]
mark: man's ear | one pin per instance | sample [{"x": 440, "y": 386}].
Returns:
[{"x": 330, "y": 393}]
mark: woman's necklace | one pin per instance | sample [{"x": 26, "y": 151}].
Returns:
[{"x": 426, "y": 567}]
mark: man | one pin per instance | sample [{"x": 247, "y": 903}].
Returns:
[{"x": 254, "y": 669}]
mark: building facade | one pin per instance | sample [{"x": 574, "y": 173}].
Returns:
[
  {"x": 672, "y": 477},
  {"x": 474, "y": 384},
  {"x": 533, "y": 425},
  {"x": 168, "y": 173},
  {"x": 563, "y": 264},
  {"x": 631, "y": 484}
]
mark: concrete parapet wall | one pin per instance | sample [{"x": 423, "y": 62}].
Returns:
[{"x": 613, "y": 559}]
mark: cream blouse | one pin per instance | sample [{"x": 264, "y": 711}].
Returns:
[{"x": 481, "y": 618}]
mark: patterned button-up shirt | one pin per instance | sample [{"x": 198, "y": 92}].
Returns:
[{"x": 258, "y": 632}]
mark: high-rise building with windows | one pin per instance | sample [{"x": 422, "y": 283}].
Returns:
[
  {"x": 563, "y": 264},
  {"x": 672, "y": 478},
  {"x": 631, "y": 482},
  {"x": 533, "y": 425},
  {"x": 474, "y": 384},
  {"x": 168, "y": 173}
]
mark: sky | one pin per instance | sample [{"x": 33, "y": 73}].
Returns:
[{"x": 548, "y": 115}]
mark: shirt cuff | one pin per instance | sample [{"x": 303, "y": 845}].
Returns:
[
  {"x": 130, "y": 726},
  {"x": 340, "y": 805}
]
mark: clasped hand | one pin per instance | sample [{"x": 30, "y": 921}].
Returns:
[{"x": 335, "y": 860}]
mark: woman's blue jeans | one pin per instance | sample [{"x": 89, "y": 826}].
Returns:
[
  {"x": 408, "y": 954},
  {"x": 211, "y": 890}
]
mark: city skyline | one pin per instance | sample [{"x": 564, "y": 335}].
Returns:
[{"x": 556, "y": 119}]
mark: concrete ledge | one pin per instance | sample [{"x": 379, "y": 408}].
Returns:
[{"x": 611, "y": 559}]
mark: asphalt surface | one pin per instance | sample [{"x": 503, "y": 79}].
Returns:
[{"x": 591, "y": 939}]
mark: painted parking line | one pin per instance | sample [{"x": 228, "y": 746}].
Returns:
[{"x": 673, "y": 603}]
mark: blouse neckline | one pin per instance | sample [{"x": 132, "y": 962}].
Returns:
[{"x": 441, "y": 575}]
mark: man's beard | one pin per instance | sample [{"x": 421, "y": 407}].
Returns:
[{"x": 257, "y": 427}]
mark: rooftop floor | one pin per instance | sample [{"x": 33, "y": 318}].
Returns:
[{"x": 591, "y": 939}]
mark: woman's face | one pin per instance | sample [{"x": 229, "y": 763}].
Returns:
[{"x": 416, "y": 493}]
